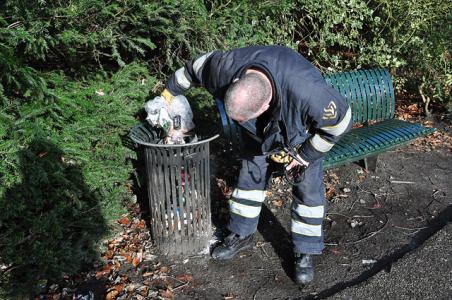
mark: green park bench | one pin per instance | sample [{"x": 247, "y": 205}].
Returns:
[{"x": 370, "y": 94}]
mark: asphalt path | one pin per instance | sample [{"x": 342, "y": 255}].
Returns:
[{"x": 425, "y": 273}]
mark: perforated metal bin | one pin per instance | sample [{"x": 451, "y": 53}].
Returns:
[{"x": 178, "y": 185}]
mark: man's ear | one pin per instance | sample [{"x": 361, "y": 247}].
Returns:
[{"x": 265, "y": 107}]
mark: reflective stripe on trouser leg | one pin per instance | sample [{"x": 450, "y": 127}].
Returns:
[
  {"x": 245, "y": 204},
  {"x": 308, "y": 211}
]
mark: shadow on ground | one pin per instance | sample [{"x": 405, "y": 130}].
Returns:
[
  {"x": 394, "y": 211},
  {"x": 50, "y": 222}
]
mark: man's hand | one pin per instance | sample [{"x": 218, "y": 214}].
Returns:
[
  {"x": 295, "y": 162},
  {"x": 167, "y": 96}
]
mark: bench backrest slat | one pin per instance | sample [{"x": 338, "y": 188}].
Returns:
[{"x": 369, "y": 93}]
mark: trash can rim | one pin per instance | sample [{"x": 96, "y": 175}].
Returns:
[{"x": 171, "y": 145}]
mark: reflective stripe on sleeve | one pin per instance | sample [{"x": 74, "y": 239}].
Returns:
[
  {"x": 181, "y": 79},
  {"x": 340, "y": 127},
  {"x": 244, "y": 210},
  {"x": 309, "y": 211},
  {"x": 253, "y": 195},
  {"x": 320, "y": 144},
  {"x": 306, "y": 229},
  {"x": 197, "y": 65}
]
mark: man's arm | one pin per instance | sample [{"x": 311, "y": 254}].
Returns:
[
  {"x": 331, "y": 117},
  {"x": 186, "y": 77}
]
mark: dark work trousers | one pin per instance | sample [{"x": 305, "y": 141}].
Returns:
[{"x": 308, "y": 205}]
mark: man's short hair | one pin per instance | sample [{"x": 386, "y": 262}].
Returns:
[{"x": 252, "y": 87}]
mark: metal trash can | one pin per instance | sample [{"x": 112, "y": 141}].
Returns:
[{"x": 178, "y": 186}]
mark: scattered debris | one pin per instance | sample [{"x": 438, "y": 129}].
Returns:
[
  {"x": 229, "y": 296},
  {"x": 368, "y": 261},
  {"x": 353, "y": 223},
  {"x": 335, "y": 251},
  {"x": 225, "y": 189},
  {"x": 330, "y": 192},
  {"x": 278, "y": 202},
  {"x": 330, "y": 180},
  {"x": 84, "y": 296},
  {"x": 399, "y": 181}
]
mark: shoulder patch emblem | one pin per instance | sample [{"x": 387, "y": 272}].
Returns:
[{"x": 330, "y": 112}]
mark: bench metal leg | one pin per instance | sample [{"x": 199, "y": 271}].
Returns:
[{"x": 370, "y": 163}]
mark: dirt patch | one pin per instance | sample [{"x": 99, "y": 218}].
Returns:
[
  {"x": 373, "y": 220},
  {"x": 370, "y": 217}
]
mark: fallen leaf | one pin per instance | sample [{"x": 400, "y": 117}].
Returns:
[
  {"x": 228, "y": 296},
  {"x": 109, "y": 254},
  {"x": 147, "y": 274},
  {"x": 164, "y": 270},
  {"x": 225, "y": 189},
  {"x": 376, "y": 205},
  {"x": 167, "y": 294},
  {"x": 104, "y": 272},
  {"x": 124, "y": 221},
  {"x": 136, "y": 261},
  {"x": 143, "y": 291},
  {"x": 278, "y": 202},
  {"x": 330, "y": 192},
  {"x": 123, "y": 253},
  {"x": 131, "y": 288},
  {"x": 117, "y": 265},
  {"x": 185, "y": 277},
  {"x": 141, "y": 224},
  {"x": 335, "y": 251},
  {"x": 119, "y": 287},
  {"x": 112, "y": 295}
]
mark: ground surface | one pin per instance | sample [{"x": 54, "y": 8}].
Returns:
[
  {"x": 393, "y": 210},
  {"x": 388, "y": 236},
  {"x": 426, "y": 273}
]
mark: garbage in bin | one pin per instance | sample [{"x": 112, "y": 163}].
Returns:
[
  {"x": 175, "y": 119},
  {"x": 178, "y": 185}
]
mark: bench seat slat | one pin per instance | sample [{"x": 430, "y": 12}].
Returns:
[
  {"x": 402, "y": 130},
  {"x": 357, "y": 141},
  {"x": 377, "y": 138},
  {"x": 394, "y": 137}
]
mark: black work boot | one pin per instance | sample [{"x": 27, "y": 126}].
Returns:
[
  {"x": 232, "y": 245},
  {"x": 304, "y": 268}
]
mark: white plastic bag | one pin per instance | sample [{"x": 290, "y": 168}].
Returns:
[{"x": 162, "y": 115}]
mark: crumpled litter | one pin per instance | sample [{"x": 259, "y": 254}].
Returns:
[{"x": 160, "y": 114}]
